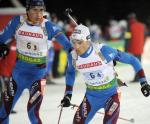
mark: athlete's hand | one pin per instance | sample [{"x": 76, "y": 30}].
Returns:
[
  {"x": 65, "y": 102},
  {"x": 3, "y": 50},
  {"x": 145, "y": 88}
]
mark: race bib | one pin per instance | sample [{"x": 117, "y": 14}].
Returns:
[
  {"x": 94, "y": 75},
  {"x": 28, "y": 46},
  {"x": 30, "y": 49},
  {"x": 96, "y": 78}
]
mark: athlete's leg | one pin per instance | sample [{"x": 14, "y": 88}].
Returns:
[
  {"x": 10, "y": 96},
  {"x": 89, "y": 106},
  {"x": 35, "y": 100},
  {"x": 112, "y": 110}
]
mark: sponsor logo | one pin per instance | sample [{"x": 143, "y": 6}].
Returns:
[
  {"x": 89, "y": 65},
  {"x": 77, "y": 31},
  {"x": 84, "y": 108},
  {"x": 34, "y": 97},
  {"x": 6, "y": 96},
  {"x": 78, "y": 117},
  {"x": 11, "y": 88},
  {"x": 43, "y": 82},
  {"x": 112, "y": 108},
  {"x": 111, "y": 55},
  {"x": 33, "y": 88},
  {"x": 31, "y": 59},
  {"x": 13, "y": 48},
  {"x": 30, "y": 34}
]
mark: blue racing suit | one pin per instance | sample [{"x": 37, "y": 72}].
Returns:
[
  {"x": 50, "y": 59},
  {"x": 99, "y": 96},
  {"x": 30, "y": 69}
]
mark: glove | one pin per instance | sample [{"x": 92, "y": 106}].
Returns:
[
  {"x": 145, "y": 89},
  {"x": 3, "y": 50},
  {"x": 65, "y": 102}
]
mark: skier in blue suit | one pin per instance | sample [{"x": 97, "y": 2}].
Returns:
[
  {"x": 32, "y": 33},
  {"x": 95, "y": 63}
]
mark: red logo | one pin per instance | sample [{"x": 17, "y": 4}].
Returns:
[
  {"x": 30, "y": 34},
  {"x": 88, "y": 65}
]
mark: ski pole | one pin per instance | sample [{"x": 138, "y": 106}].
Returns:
[
  {"x": 125, "y": 119},
  {"x": 60, "y": 113},
  {"x": 67, "y": 13},
  {"x": 121, "y": 118}
]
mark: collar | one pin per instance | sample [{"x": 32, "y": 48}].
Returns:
[{"x": 88, "y": 52}]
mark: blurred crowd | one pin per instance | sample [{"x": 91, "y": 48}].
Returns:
[{"x": 115, "y": 30}]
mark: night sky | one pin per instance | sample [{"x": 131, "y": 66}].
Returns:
[{"x": 99, "y": 11}]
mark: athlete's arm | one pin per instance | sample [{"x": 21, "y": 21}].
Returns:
[
  {"x": 70, "y": 76},
  {"x": 55, "y": 32},
  {"x": 10, "y": 29},
  {"x": 117, "y": 55}
]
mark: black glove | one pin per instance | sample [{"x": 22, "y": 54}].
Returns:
[
  {"x": 3, "y": 50},
  {"x": 145, "y": 88},
  {"x": 65, "y": 102}
]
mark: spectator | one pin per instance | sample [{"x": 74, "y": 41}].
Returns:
[{"x": 136, "y": 43}]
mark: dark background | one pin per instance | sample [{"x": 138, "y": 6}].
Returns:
[{"x": 98, "y": 11}]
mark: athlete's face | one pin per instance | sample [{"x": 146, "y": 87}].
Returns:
[
  {"x": 80, "y": 46},
  {"x": 35, "y": 14},
  {"x": 77, "y": 43}
]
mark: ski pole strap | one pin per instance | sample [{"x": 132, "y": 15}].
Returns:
[{"x": 102, "y": 87}]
